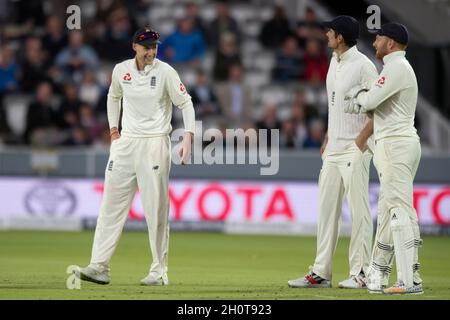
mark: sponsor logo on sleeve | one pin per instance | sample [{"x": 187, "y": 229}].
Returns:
[{"x": 182, "y": 88}]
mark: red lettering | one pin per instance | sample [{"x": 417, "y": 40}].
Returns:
[
  {"x": 99, "y": 187},
  {"x": 435, "y": 207},
  {"x": 179, "y": 202},
  {"x": 248, "y": 192},
  {"x": 204, "y": 215},
  {"x": 279, "y": 204}
]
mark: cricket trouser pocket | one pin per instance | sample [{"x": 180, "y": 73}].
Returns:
[
  {"x": 357, "y": 148},
  {"x": 120, "y": 166},
  {"x": 358, "y": 154}
]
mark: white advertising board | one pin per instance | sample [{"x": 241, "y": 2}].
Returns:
[{"x": 200, "y": 200}]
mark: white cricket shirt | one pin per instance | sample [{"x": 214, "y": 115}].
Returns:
[
  {"x": 352, "y": 68},
  {"x": 393, "y": 97},
  {"x": 147, "y": 99}
]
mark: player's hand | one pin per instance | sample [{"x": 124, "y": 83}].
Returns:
[
  {"x": 361, "y": 144},
  {"x": 114, "y": 133},
  {"x": 322, "y": 148},
  {"x": 185, "y": 149}
]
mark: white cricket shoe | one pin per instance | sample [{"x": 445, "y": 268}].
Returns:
[
  {"x": 311, "y": 280},
  {"x": 152, "y": 280},
  {"x": 375, "y": 288},
  {"x": 354, "y": 282},
  {"x": 400, "y": 288},
  {"x": 376, "y": 281},
  {"x": 94, "y": 273}
]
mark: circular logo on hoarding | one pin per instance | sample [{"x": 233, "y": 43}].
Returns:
[{"x": 50, "y": 199}]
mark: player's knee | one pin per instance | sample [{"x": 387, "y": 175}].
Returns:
[{"x": 399, "y": 217}]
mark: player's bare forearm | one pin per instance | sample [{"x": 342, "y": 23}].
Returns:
[
  {"x": 186, "y": 147},
  {"x": 188, "y": 135}
]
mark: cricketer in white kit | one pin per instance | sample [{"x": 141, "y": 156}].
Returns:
[
  {"x": 140, "y": 156},
  {"x": 392, "y": 99},
  {"x": 346, "y": 162}
]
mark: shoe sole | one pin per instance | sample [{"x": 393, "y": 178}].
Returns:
[
  {"x": 162, "y": 283},
  {"x": 403, "y": 293},
  {"x": 309, "y": 287},
  {"x": 375, "y": 291},
  {"x": 153, "y": 284},
  {"x": 85, "y": 277},
  {"x": 343, "y": 287}
]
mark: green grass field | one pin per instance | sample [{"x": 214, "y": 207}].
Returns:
[{"x": 201, "y": 266}]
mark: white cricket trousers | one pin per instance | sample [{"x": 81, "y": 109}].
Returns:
[
  {"x": 343, "y": 174},
  {"x": 396, "y": 160},
  {"x": 142, "y": 163}
]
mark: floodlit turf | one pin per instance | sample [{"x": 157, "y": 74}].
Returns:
[{"x": 201, "y": 266}]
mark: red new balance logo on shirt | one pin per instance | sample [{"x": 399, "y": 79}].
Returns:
[
  {"x": 127, "y": 77},
  {"x": 381, "y": 80}
]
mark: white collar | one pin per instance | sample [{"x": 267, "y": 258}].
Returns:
[
  {"x": 147, "y": 68},
  {"x": 393, "y": 55},
  {"x": 346, "y": 55}
]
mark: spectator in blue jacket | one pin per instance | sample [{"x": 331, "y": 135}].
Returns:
[
  {"x": 289, "y": 62},
  {"x": 76, "y": 58},
  {"x": 8, "y": 70},
  {"x": 315, "y": 135},
  {"x": 185, "y": 45}
]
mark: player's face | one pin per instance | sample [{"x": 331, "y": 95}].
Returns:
[
  {"x": 146, "y": 54},
  {"x": 381, "y": 46},
  {"x": 332, "y": 40}
]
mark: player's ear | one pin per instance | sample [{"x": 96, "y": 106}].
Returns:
[
  {"x": 391, "y": 44},
  {"x": 134, "y": 46}
]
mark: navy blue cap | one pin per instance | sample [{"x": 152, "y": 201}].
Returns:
[
  {"x": 347, "y": 26},
  {"x": 146, "y": 37},
  {"x": 395, "y": 31}
]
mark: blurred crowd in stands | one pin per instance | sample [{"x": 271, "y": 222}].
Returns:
[{"x": 60, "y": 70}]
